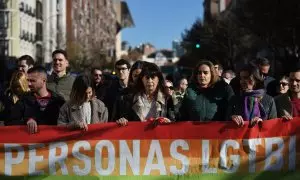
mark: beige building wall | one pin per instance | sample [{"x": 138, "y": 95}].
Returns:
[{"x": 13, "y": 28}]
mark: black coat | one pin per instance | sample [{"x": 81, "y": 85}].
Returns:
[
  {"x": 28, "y": 107},
  {"x": 283, "y": 103}
]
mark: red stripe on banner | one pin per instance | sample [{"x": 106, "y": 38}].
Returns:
[{"x": 138, "y": 130}]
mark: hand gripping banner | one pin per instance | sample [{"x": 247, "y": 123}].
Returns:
[{"x": 186, "y": 150}]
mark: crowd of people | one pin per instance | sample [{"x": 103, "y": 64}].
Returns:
[{"x": 142, "y": 93}]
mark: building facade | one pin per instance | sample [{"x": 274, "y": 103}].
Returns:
[
  {"x": 20, "y": 33},
  {"x": 91, "y": 27},
  {"x": 213, "y": 8},
  {"x": 38, "y": 27},
  {"x": 177, "y": 48}
]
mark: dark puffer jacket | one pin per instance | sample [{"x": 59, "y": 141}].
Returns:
[
  {"x": 283, "y": 105},
  {"x": 206, "y": 104}
]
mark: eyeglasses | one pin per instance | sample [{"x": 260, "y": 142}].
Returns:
[
  {"x": 99, "y": 75},
  {"x": 283, "y": 84},
  {"x": 121, "y": 69},
  {"x": 170, "y": 87}
]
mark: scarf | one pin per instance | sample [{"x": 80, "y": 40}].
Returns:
[
  {"x": 296, "y": 107},
  {"x": 252, "y": 105}
]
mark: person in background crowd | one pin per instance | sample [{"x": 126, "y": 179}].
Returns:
[
  {"x": 269, "y": 82},
  {"x": 98, "y": 82},
  {"x": 40, "y": 106},
  {"x": 169, "y": 88},
  {"x": 122, "y": 68},
  {"x": 60, "y": 81},
  {"x": 253, "y": 104},
  {"x": 134, "y": 73},
  {"x": 18, "y": 87},
  {"x": 288, "y": 104},
  {"x": 127, "y": 93},
  {"x": 181, "y": 89},
  {"x": 283, "y": 85},
  {"x": 150, "y": 100},
  {"x": 228, "y": 75},
  {"x": 24, "y": 63},
  {"x": 218, "y": 67},
  {"x": 83, "y": 108},
  {"x": 207, "y": 97}
]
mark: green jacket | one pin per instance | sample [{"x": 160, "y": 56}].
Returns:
[
  {"x": 62, "y": 85},
  {"x": 206, "y": 104}
]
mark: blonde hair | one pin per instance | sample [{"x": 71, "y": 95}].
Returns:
[{"x": 18, "y": 85}]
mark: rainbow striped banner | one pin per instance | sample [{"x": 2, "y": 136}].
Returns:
[{"x": 183, "y": 150}]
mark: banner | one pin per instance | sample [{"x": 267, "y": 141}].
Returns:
[{"x": 183, "y": 149}]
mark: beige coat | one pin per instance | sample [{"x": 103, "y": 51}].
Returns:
[{"x": 70, "y": 113}]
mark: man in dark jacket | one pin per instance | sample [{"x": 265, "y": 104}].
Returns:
[
  {"x": 269, "y": 81},
  {"x": 40, "y": 107},
  {"x": 98, "y": 81},
  {"x": 60, "y": 81},
  {"x": 122, "y": 68},
  {"x": 288, "y": 105}
]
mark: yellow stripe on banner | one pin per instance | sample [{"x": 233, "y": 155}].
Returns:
[{"x": 150, "y": 157}]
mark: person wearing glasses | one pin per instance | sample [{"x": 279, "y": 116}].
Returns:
[
  {"x": 207, "y": 97},
  {"x": 288, "y": 104},
  {"x": 169, "y": 88},
  {"x": 283, "y": 85},
  {"x": 150, "y": 102},
  {"x": 98, "y": 82},
  {"x": 122, "y": 69},
  {"x": 126, "y": 93},
  {"x": 253, "y": 104}
]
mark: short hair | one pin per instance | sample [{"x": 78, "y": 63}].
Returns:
[
  {"x": 38, "y": 69},
  {"x": 60, "y": 51},
  {"x": 29, "y": 60},
  {"x": 255, "y": 75},
  {"x": 122, "y": 62},
  {"x": 214, "y": 76},
  {"x": 263, "y": 61},
  {"x": 78, "y": 92}
]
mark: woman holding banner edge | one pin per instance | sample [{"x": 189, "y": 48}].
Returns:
[
  {"x": 253, "y": 104},
  {"x": 82, "y": 108},
  {"x": 207, "y": 97},
  {"x": 149, "y": 102}
]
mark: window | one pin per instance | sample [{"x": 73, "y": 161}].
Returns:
[
  {"x": 3, "y": 20},
  {"x": 3, "y": 4},
  {"x": 39, "y": 31},
  {"x": 4, "y": 47},
  {"x": 39, "y": 10}
]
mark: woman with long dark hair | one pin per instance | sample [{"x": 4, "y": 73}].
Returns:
[
  {"x": 82, "y": 108},
  {"x": 207, "y": 97},
  {"x": 253, "y": 104},
  {"x": 149, "y": 101}
]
